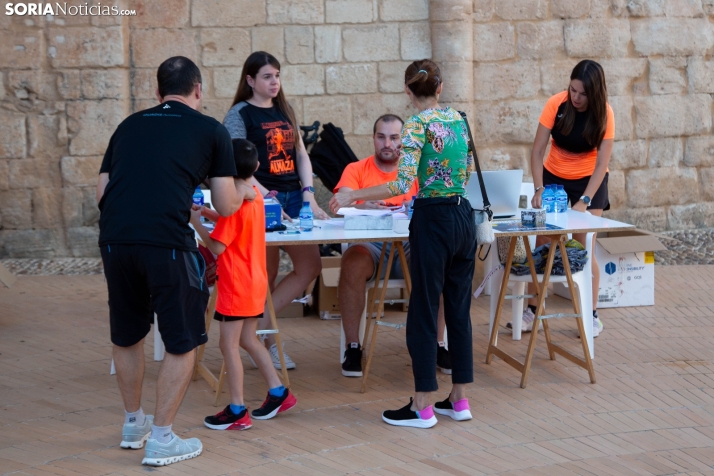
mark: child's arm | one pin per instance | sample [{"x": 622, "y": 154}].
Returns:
[
  {"x": 215, "y": 246},
  {"x": 210, "y": 214}
]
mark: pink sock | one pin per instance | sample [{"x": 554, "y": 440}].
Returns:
[
  {"x": 461, "y": 405},
  {"x": 426, "y": 413}
]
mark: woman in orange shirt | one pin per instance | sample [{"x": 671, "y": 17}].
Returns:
[{"x": 582, "y": 126}]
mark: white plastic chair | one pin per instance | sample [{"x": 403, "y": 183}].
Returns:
[{"x": 582, "y": 279}]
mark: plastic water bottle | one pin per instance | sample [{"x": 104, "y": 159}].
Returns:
[
  {"x": 410, "y": 210},
  {"x": 548, "y": 199},
  {"x": 561, "y": 200},
  {"x": 306, "y": 217},
  {"x": 198, "y": 199}
]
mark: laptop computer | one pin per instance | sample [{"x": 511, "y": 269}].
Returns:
[{"x": 503, "y": 188}]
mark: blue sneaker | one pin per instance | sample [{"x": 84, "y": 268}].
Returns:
[
  {"x": 161, "y": 454},
  {"x": 133, "y": 436}
]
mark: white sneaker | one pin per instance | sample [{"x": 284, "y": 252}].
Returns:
[
  {"x": 289, "y": 364},
  {"x": 597, "y": 326},
  {"x": 161, "y": 454},
  {"x": 527, "y": 321},
  {"x": 133, "y": 436}
]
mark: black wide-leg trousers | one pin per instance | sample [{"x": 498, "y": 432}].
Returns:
[{"x": 442, "y": 238}]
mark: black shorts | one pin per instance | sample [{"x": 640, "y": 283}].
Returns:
[
  {"x": 143, "y": 280},
  {"x": 222, "y": 317},
  {"x": 576, "y": 188}
]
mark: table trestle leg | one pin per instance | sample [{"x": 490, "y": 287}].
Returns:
[
  {"x": 587, "y": 363},
  {"x": 536, "y": 321},
  {"x": 492, "y": 348}
]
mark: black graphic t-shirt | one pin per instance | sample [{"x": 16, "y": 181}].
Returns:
[
  {"x": 274, "y": 137},
  {"x": 155, "y": 160}
]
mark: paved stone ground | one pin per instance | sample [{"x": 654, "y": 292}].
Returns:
[
  {"x": 688, "y": 247},
  {"x": 693, "y": 247},
  {"x": 651, "y": 411}
]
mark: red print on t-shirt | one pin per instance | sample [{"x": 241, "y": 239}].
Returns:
[{"x": 281, "y": 142}]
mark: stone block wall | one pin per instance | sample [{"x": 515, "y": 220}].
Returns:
[
  {"x": 67, "y": 81},
  {"x": 660, "y": 75}
]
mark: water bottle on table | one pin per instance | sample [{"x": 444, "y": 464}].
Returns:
[
  {"x": 561, "y": 200},
  {"x": 306, "y": 217},
  {"x": 410, "y": 208},
  {"x": 548, "y": 199}
]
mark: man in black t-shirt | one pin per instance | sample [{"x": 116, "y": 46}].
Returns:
[{"x": 154, "y": 162}]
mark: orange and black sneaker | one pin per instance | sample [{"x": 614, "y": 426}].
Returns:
[
  {"x": 274, "y": 405},
  {"x": 227, "y": 420}
]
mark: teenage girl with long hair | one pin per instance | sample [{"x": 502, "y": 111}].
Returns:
[
  {"x": 262, "y": 115},
  {"x": 582, "y": 126}
]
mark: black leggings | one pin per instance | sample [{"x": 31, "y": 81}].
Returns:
[{"x": 442, "y": 237}]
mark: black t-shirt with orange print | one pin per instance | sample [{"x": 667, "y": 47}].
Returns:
[{"x": 274, "y": 137}]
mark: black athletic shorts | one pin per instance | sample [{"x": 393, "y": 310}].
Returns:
[
  {"x": 222, "y": 317},
  {"x": 143, "y": 280},
  {"x": 576, "y": 188}
]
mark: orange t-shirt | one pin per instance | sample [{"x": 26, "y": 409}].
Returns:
[
  {"x": 242, "y": 272},
  {"x": 365, "y": 173},
  {"x": 563, "y": 163}
]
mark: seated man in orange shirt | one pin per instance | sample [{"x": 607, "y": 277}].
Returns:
[{"x": 359, "y": 262}]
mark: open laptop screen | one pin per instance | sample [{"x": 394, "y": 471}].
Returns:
[{"x": 503, "y": 188}]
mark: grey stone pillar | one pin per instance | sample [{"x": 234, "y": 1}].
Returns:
[{"x": 452, "y": 49}]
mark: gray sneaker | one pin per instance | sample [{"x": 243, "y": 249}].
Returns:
[
  {"x": 289, "y": 364},
  {"x": 161, "y": 454},
  {"x": 133, "y": 436}
]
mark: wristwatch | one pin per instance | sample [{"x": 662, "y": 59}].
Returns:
[
  {"x": 310, "y": 189},
  {"x": 586, "y": 200}
]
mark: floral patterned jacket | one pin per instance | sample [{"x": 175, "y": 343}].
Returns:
[{"x": 435, "y": 152}]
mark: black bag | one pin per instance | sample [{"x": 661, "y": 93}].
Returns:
[{"x": 330, "y": 155}]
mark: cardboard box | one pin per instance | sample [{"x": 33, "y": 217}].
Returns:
[
  {"x": 327, "y": 305},
  {"x": 627, "y": 270}
]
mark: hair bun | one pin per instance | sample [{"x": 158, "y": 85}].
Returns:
[{"x": 422, "y": 78}]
